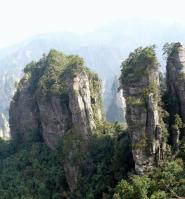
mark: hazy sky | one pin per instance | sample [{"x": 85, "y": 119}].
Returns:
[{"x": 20, "y": 19}]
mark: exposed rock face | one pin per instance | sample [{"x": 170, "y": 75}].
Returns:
[
  {"x": 58, "y": 98},
  {"x": 102, "y": 59},
  {"x": 117, "y": 107},
  {"x": 23, "y": 114},
  {"x": 83, "y": 120},
  {"x": 4, "y": 130},
  {"x": 140, "y": 81},
  {"x": 7, "y": 89},
  {"x": 176, "y": 90}
]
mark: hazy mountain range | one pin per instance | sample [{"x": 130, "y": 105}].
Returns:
[{"x": 102, "y": 50}]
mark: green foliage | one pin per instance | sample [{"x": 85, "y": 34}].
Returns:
[
  {"x": 138, "y": 64},
  {"x": 57, "y": 65},
  {"x": 167, "y": 181},
  {"x": 182, "y": 75},
  {"x": 50, "y": 81},
  {"x": 137, "y": 189},
  {"x": 170, "y": 48},
  {"x": 135, "y": 101},
  {"x": 124, "y": 190},
  {"x": 140, "y": 101},
  {"x": 178, "y": 124},
  {"x": 73, "y": 147},
  {"x": 32, "y": 172},
  {"x": 158, "y": 195},
  {"x": 48, "y": 76},
  {"x": 109, "y": 161},
  {"x": 181, "y": 152},
  {"x": 142, "y": 143},
  {"x": 152, "y": 88},
  {"x": 95, "y": 89}
]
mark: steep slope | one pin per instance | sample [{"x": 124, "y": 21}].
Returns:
[
  {"x": 4, "y": 130},
  {"x": 7, "y": 88},
  {"x": 58, "y": 98},
  {"x": 176, "y": 92},
  {"x": 140, "y": 82}
]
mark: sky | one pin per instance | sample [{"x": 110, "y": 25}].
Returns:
[{"x": 21, "y": 19}]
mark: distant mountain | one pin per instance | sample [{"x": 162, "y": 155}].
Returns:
[
  {"x": 103, "y": 51},
  {"x": 116, "y": 110}
]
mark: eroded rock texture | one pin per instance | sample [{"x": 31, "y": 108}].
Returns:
[
  {"x": 176, "y": 92},
  {"x": 58, "y": 98},
  {"x": 140, "y": 82}
]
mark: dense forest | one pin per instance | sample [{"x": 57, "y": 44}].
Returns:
[{"x": 63, "y": 147}]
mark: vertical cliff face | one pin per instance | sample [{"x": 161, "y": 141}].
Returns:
[
  {"x": 140, "y": 82},
  {"x": 58, "y": 98},
  {"x": 7, "y": 89},
  {"x": 176, "y": 92},
  {"x": 23, "y": 114},
  {"x": 4, "y": 127},
  {"x": 116, "y": 109},
  {"x": 85, "y": 109}
]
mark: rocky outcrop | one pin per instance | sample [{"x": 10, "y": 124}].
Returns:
[
  {"x": 102, "y": 59},
  {"x": 59, "y": 99},
  {"x": 77, "y": 140},
  {"x": 140, "y": 82},
  {"x": 117, "y": 107},
  {"x": 176, "y": 92},
  {"x": 23, "y": 113}
]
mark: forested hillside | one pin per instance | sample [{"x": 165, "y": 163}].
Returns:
[{"x": 63, "y": 147}]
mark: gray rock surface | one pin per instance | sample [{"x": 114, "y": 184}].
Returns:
[
  {"x": 4, "y": 130},
  {"x": 176, "y": 89},
  {"x": 141, "y": 91},
  {"x": 69, "y": 114},
  {"x": 7, "y": 89}
]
